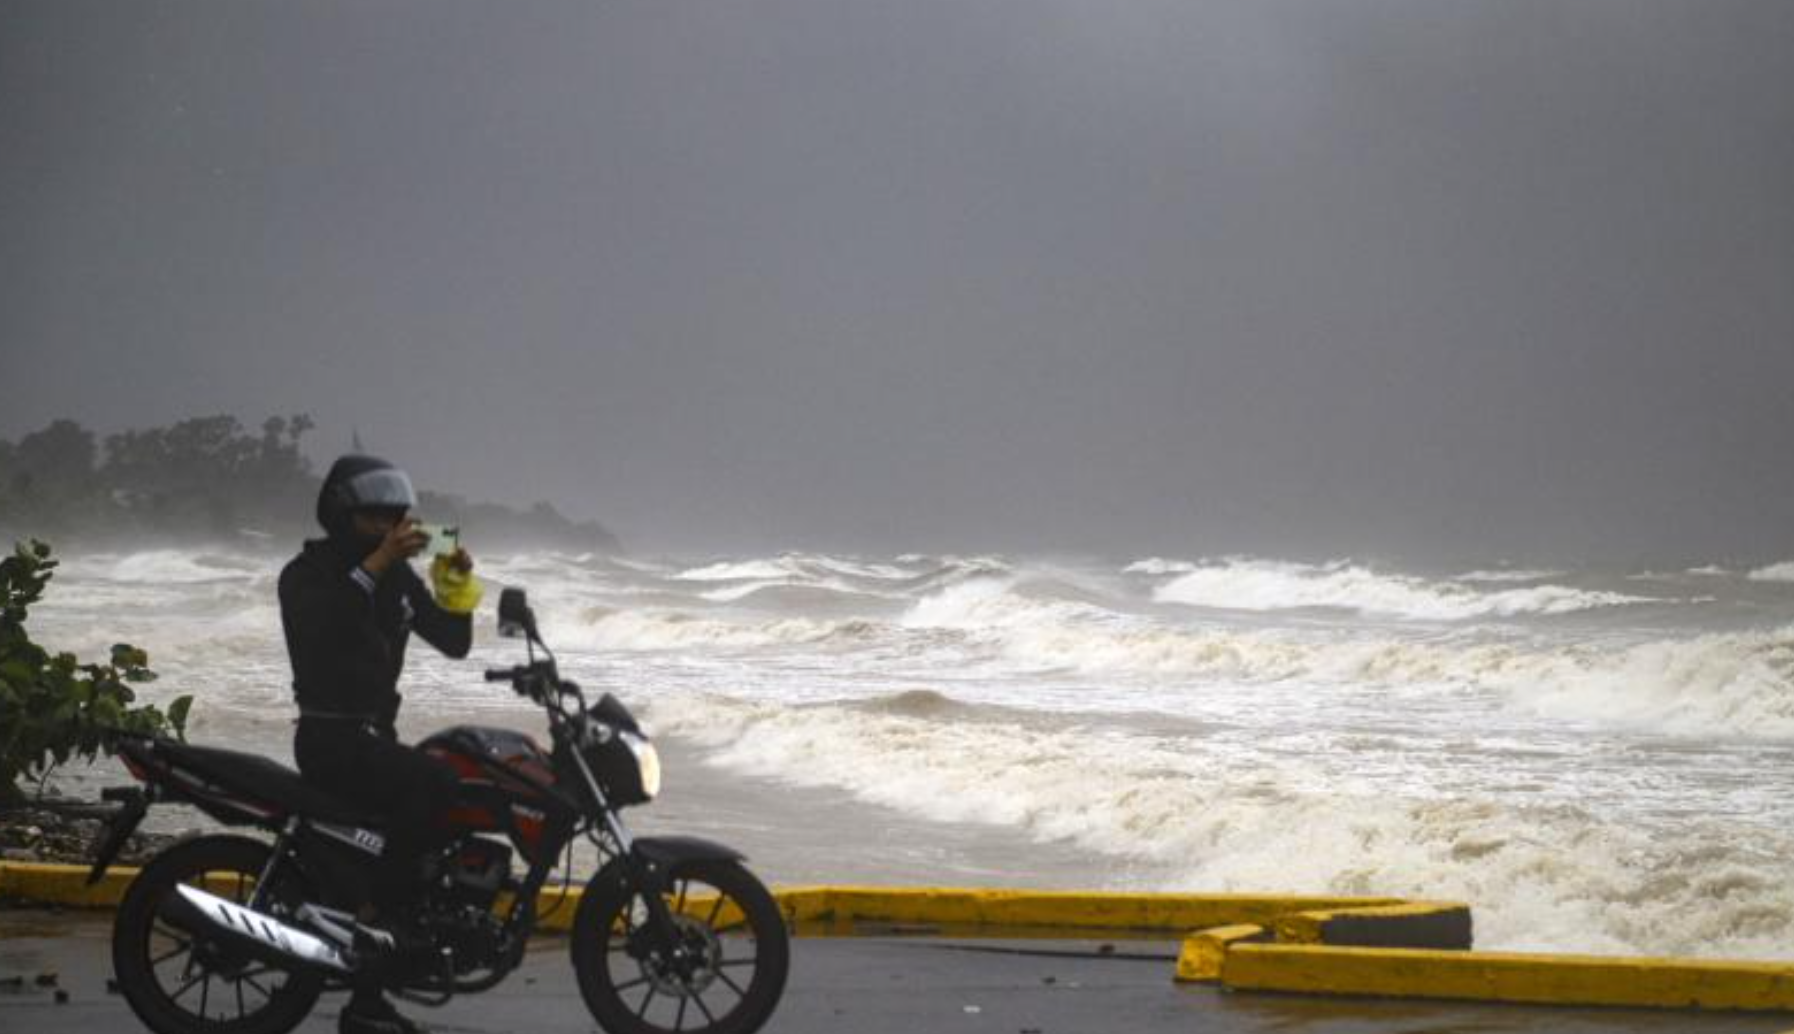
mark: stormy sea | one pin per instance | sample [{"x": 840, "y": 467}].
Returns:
[{"x": 1598, "y": 761}]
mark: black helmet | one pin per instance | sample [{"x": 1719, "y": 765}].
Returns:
[{"x": 361, "y": 483}]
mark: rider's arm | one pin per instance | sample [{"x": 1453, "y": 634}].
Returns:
[{"x": 452, "y": 634}]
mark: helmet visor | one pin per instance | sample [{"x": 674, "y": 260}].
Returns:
[{"x": 379, "y": 489}]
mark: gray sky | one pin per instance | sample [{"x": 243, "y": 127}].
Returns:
[{"x": 1497, "y": 278}]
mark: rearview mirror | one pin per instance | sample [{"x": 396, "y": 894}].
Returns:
[{"x": 514, "y": 616}]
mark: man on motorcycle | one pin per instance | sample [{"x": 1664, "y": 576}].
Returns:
[{"x": 349, "y": 603}]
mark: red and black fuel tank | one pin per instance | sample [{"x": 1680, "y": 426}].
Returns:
[{"x": 507, "y": 783}]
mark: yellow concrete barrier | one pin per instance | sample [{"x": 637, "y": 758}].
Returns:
[
  {"x": 1511, "y": 977},
  {"x": 1443, "y": 925},
  {"x": 1024, "y": 913},
  {"x": 1203, "y": 954},
  {"x": 1228, "y": 942},
  {"x": 1419, "y": 924},
  {"x": 848, "y": 909},
  {"x": 47, "y": 884}
]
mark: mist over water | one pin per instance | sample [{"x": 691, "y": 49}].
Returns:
[{"x": 1596, "y": 760}]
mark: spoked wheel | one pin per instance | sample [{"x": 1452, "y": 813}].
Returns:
[
  {"x": 723, "y": 976},
  {"x": 182, "y": 982}
]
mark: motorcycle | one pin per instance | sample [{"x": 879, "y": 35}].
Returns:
[{"x": 229, "y": 934}]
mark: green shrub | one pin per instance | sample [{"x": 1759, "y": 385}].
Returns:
[{"x": 53, "y": 707}]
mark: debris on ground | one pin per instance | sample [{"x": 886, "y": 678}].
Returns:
[{"x": 67, "y": 832}]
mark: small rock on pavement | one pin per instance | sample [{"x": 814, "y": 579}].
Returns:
[
  {"x": 62, "y": 997},
  {"x": 46, "y": 980}
]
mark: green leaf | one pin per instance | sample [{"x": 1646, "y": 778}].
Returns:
[
  {"x": 54, "y": 708},
  {"x": 177, "y": 714}
]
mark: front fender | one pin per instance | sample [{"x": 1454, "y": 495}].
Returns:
[
  {"x": 661, "y": 852},
  {"x": 648, "y": 862}
]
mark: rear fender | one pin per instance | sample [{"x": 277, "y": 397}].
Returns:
[{"x": 133, "y": 805}]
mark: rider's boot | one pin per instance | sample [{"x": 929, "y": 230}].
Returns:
[{"x": 368, "y": 1012}]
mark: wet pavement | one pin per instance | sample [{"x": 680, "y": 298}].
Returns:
[{"x": 862, "y": 985}]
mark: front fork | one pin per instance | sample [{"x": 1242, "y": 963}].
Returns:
[
  {"x": 638, "y": 873},
  {"x": 641, "y": 874}
]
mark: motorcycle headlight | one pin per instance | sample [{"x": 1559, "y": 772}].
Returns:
[{"x": 647, "y": 759}]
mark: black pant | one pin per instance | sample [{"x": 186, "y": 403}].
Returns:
[{"x": 369, "y": 767}]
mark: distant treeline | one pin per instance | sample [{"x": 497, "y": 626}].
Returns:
[{"x": 210, "y": 479}]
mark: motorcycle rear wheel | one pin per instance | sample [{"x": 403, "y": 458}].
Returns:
[
  {"x": 737, "y": 954},
  {"x": 180, "y": 982}
]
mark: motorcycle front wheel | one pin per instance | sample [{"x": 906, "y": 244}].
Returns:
[
  {"x": 723, "y": 975},
  {"x": 183, "y": 981}
]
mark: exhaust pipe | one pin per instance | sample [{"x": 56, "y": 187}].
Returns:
[{"x": 263, "y": 935}]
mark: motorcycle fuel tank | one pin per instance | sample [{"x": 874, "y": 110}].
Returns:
[{"x": 507, "y": 782}]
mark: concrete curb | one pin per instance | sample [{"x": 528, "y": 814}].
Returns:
[
  {"x": 848, "y": 911},
  {"x": 1511, "y": 977},
  {"x": 1204, "y": 953},
  {"x": 46, "y": 884},
  {"x": 1419, "y": 924},
  {"x": 1381, "y": 947}
]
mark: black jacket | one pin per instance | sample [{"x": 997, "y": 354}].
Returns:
[{"x": 346, "y": 631}]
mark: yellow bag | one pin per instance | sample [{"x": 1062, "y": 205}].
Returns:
[{"x": 457, "y": 591}]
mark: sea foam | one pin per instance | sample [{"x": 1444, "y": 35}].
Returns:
[
  {"x": 1265, "y": 585},
  {"x": 1183, "y": 815}
]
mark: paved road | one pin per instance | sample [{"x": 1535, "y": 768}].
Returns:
[{"x": 866, "y": 986}]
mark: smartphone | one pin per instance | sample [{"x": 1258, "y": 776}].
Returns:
[{"x": 444, "y": 538}]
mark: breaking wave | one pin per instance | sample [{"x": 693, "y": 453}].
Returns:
[
  {"x": 1182, "y": 816},
  {"x": 1782, "y": 572},
  {"x": 1505, "y": 574},
  {"x": 1264, "y": 585},
  {"x": 168, "y": 566},
  {"x": 794, "y": 567},
  {"x": 642, "y": 630},
  {"x": 1729, "y": 684}
]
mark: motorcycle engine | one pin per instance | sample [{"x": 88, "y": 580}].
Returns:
[
  {"x": 475, "y": 871},
  {"x": 467, "y": 878}
]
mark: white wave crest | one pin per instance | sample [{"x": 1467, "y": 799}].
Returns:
[
  {"x": 1159, "y": 566},
  {"x": 728, "y": 571},
  {"x": 1733, "y": 684},
  {"x": 171, "y": 566},
  {"x": 794, "y": 568},
  {"x": 1782, "y": 572},
  {"x": 1263, "y": 585},
  {"x": 1507, "y": 574},
  {"x": 1736, "y": 684},
  {"x": 603, "y": 628}
]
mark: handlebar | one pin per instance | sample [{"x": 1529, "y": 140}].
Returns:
[{"x": 538, "y": 681}]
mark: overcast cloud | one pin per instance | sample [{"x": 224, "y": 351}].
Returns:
[{"x": 1480, "y": 278}]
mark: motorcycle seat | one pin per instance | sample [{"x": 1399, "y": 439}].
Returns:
[{"x": 266, "y": 781}]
